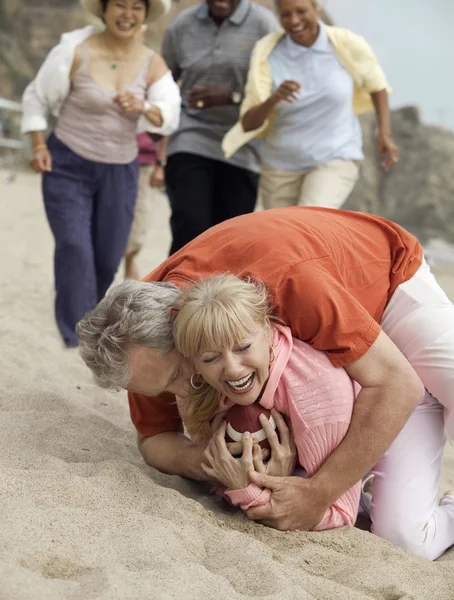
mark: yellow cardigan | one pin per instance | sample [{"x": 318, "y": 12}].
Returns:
[{"x": 353, "y": 52}]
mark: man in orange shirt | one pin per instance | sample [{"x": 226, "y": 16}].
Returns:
[{"x": 351, "y": 284}]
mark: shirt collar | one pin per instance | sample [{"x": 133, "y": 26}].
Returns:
[
  {"x": 322, "y": 43},
  {"x": 238, "y": 16}
]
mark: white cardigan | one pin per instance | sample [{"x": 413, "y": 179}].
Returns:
[{"x": 51, "y": 86}]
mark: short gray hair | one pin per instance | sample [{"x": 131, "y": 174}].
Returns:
[{"x": 133, "y": 314}]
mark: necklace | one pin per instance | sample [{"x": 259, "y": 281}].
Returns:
[{"x": 114, "y": 62}]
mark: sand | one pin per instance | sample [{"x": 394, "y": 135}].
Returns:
[{"x": 82, "y": 517}]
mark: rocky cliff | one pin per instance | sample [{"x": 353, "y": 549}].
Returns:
[{"x": 418, "y": 192}]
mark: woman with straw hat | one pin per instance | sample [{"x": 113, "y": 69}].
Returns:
[{"x": 99, "y": 82}]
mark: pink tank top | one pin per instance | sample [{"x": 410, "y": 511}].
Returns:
[{"x": 92, "y": 125}]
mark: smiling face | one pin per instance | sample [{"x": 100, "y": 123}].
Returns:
[
  {"x": 124, "y": 18},
  {"x": 299, "y": 18},
  {"x": 239, "y": 372}
]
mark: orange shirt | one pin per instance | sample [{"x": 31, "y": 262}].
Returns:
[{"x": 329, "y": 273}]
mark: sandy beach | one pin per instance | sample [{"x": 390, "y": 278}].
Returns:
[{"x": 83, "y": 518}]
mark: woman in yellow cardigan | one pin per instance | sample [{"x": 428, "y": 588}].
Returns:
[{"x": 306, "y": 85}]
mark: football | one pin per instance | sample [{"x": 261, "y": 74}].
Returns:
[{"x": 246, "y": 418}]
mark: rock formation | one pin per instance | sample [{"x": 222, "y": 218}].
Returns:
[{"x": 418, "y": 192}]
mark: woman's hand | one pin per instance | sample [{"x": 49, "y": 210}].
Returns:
[
  {"x": 287, "y": 91},
  {"x": 157, "y": 177},
  {"x": 129, "y": 104},
  {"x": 283, "y": 450},
  {"x": 387, "y": 150},
  {"x": 222, "y": 466},
  {"x": 41, "y": 161}
]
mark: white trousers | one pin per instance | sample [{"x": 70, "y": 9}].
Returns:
[
  {"x": 404, "y": 510},
  {"x": 328, "y": 185},
  {"x": 142, "y": 211}
]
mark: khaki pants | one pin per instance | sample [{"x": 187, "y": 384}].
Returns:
[
  {"x": 328, "y": 185},
  {"x": 142, "y": 211}
]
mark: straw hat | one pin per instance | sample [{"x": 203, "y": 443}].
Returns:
[{"x": 158, "y": 8}]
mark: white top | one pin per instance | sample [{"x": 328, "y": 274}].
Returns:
[
  {"x": 321, "y": 125},
  {"x": 50, "y": 88}
]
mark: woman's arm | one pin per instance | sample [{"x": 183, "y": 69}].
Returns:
[
  {"x": 255, "y": 117},
  {"x": 165, "y": 99},
  {"x": 156, "y": 71},
  {"x": 387, "y": 149},
  {"x": 42, "y": 159},
  {"x": 373, "y": 80},
  {"x": 35, "y": 113},
  {"x": 157, "y": 179}
]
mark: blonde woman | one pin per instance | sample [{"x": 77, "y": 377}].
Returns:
[
  {"x": 306, "y": 84},
  {"x": 102, "y": 83},
  {"x": 224, "y": 324},
  {"x": 241, "y": 356}
]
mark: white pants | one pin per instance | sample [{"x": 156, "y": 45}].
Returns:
[
  {"x": 328, "y": 185},
  {"x": 420, "y": 320},
  {"x": 142, "y": 211}
]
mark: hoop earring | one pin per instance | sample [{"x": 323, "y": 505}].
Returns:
[
  {"x": 273, "y": 354},
  {"x": 196, "y": 387}
]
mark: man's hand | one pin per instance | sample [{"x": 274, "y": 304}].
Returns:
[
  {"x": 173, "y": 453},
  {"x": 294, "y": 503},
  {"x": 208, "y": 96}
]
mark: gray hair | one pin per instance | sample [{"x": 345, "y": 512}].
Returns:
[{"x": 132, "y": 314}]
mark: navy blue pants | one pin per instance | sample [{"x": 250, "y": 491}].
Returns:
[{"x": 90, "y": 208}]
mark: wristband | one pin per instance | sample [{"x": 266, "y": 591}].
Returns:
[
  {"x": 39, "y": 147},
  {"x": 161, "y": 163}
]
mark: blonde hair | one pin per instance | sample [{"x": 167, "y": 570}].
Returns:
[{"x": 216, "y": 312}]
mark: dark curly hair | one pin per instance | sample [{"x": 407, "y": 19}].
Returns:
[{"x": 104, "y": 4}]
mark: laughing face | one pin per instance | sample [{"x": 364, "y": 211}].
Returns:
[
  {"x": 124, "y": 18},
  {"x": 240, "y": 373},
  {"x": 299, "y": 18}
]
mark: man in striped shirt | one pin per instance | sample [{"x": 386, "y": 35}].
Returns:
[{"x": 207, "y": 47}]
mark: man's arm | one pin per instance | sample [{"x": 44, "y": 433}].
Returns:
[
  {"x": 173, "y": 453},
  {"x": 391, "y": 390}
]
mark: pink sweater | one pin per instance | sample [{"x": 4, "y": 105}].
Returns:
[{"x": 318, "y": 399}]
